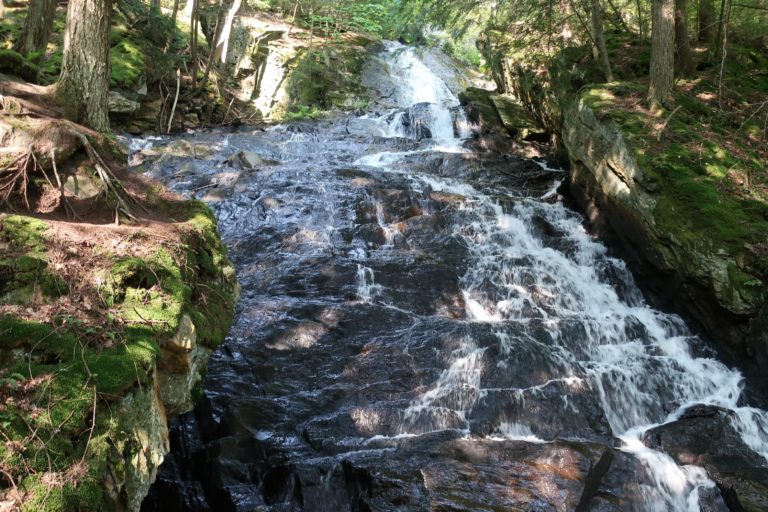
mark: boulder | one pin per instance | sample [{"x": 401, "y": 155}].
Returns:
[
  {"x": 119, "y": 104},
  {"x": 83, "y": 185},
  {"x": 705, "y": 436},
  {"x": 246, "y": 160}
]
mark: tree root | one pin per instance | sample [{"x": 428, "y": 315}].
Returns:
[
  {"x": 124, "y": 200},
  {"x": 14, "y": 177}
]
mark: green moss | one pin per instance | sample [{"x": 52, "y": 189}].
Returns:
[
  {"x": 65, "y": 365},
  {"x": 24, "y": 232},
  {"x": 127, "y": 61},
  {"x": 84, "y": 495},
  {"x": 325, "y": 79},
  {"x": 14, "y": 63}
]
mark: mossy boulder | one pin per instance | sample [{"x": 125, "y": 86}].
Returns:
[
  {"x": 85, "y": 401},
  {"x": 14, "y": 63}
]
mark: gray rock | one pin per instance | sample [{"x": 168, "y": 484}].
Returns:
[
  {"x": 119, "y": 104},
  {"x": 705, "y": 436},
  {"x": 83, "y": 186},
  {"x": 246, "y": 160}
]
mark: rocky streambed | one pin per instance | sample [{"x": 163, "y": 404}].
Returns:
[{"x": 426, "y": 327}]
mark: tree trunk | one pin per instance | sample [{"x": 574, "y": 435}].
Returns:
[
  {"x": 225, "y": 31},
  {"x": 175, "y": 12},
  {"x": 189, "y": 8},
  {"x": 193, "y": 31},
  {"x": 707, "y": 21},
  {"x": 662, "y": 52},
  {"x": 38, "y": 26},
  {"x": 719, "y": 36},
  {"x": 683, "y": 58},
  {"x": 597, "y": 27},
  {"x": 83, "y": 85}
]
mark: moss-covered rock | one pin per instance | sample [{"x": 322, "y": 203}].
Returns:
[
  {"x": 14, "y": 63},
  {"x": 84, "y": 401}
]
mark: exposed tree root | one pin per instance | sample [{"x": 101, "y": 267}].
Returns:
[
  {"x": 14, "y": 177},
  {"x": 38, "y": 145}
]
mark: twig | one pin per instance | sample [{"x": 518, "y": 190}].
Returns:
[
  {"x": 759, "y": 108},
  {"x": 224, "y": 119},
  {"x": 93, "y": 426},
  {"x": 175, "y": 100},
  {"x": 664, "y": 126}
]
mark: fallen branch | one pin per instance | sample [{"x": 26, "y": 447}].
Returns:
[
  {"x": 14, "y": 176},
  {"x": 664, "y": 126},
  {"x": 175, "y": 100}
]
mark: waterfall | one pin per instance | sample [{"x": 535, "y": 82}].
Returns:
[
  {"x": 637, "y": 359},
  {"x": 419, "y": 85},
  {"x": 422, "y": 326}
]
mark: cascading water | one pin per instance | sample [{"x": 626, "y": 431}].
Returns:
[{"x": 421, "y": 331}]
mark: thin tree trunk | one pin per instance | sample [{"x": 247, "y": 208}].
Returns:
[
  {"x": 175, "y": 12},
  {"x": 597, "y": 27},
  {"x": 720, "y": 23},
  {"x": 222, "y": 44},
  {"x": 724, "y": 53},
  {"x": 706, "y": 21},
  {"x": 193, "y": 40},
  {"x": 683, "y": 58},
  {"x": 212, "y": 54},
  {"x": 618, "y": 15},
  {"x": 38, "y": 25},
  {"x": 662, "y": 52},
  {"x": 640, "y": 20},
  {"x": 83, "y": 85}
]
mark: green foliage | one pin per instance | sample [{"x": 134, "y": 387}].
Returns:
[{"x": 301, "y": 112}]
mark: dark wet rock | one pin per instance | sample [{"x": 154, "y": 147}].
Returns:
[
  {"x": 705, "y": 436},
  {"x": 416, "y": 121},
  {"x": 355, "y": 379}
]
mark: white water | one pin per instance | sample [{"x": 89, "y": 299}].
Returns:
[
  {"x": 637, "y": 359},
  {"x": 417, "y": 83}
]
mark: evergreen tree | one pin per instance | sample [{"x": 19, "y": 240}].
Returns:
[
  {"x": 38, "y": 26},
  {"x": 662, "y": 52},
  {"x": 83, "y": 84}
]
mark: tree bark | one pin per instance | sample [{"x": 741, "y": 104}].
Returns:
[
  {"x": 83, "y": 85},
  {"x": 597, "y": 28},
  {"x": 683, "y": 58},
  {"x": 38, "y": 26},
  {"x": 662, "y": 52},
  {"x": 707, "y": 21}
]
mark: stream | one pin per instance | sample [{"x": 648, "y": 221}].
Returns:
[{"x": 424, "y": 327}]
